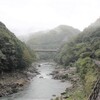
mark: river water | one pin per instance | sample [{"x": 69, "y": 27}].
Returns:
[{"x": 42, "y": 87}]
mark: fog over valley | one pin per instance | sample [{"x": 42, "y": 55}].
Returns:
[{"x": 49, "y": 49}]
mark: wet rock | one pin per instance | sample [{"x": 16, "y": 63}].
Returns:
[
  {"x": 1, "y": 95},
  {"x": 41, "y": 77},
  {"x": 54, "y": 95},
  {"x": 65, "y": 97},
  {"x": 60, "y": 76},
  {"x": 39, "y": 65},
  {"x": 14, "y": 90},
  {"x": 63, "y": 93},
  {"x": 63, "y": 80}
]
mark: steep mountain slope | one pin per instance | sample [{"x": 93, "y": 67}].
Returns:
[
  {"x": 53, "y": 38},
  {"x": 82, "y": 52},
  {"x": 86, "y": 42},
  {"x": 14, "y": 54}
]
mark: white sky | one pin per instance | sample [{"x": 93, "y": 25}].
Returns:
[{"x": 25, "y": 16}]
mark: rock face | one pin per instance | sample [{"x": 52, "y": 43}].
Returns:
[
  {"x": 12, "y": 83},
  {"x": 13, "y": 53}
]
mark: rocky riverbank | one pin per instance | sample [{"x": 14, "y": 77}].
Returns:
[
  {"x": 65, "y": 74},
  {"x": 13, "y": 82},
  {"x": 68, "y": 74}
]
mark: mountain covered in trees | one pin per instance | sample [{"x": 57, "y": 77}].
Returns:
[
  {"x": 14, "y": 54},
  {"x": 85, "y": 44},
  {"x": 83, "y": 52},
  {"x": 52, "y": 39}
]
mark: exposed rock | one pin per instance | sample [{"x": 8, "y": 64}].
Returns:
[
  {"x": 41, "y": 77},
  {"x": 65, "y": 74},
  {"x": 13, "y": 82},
  {"x": 65, "y": 97},
  {"x": 63, "y": 93},
  {"x": 54, "y": 95}
]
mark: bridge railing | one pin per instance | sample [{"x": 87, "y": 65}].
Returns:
[{"x": 45, "y": 50}]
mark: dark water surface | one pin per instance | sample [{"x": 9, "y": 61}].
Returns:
[{"x": 42, "y": 87}]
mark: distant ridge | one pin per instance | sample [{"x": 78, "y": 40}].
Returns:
[{"x": 53, "y": 38}]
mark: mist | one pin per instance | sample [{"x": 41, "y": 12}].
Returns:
[
  {"x": 23, "y": 17},
  {"x": 49, "y": 49}
]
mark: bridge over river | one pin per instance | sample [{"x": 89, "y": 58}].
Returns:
[
  {"x": 45, "y": 53},
  {"x": 46, "y": 50}
]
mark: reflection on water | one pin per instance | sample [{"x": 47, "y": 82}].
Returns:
[{"x": 42, "y": 86}]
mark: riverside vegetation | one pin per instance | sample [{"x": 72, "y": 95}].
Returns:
[
  {"x": 82, "y": 52},
  {"x": 15, "y": 57}
]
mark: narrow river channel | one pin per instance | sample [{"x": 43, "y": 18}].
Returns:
[{"x": 42, "y": 87}]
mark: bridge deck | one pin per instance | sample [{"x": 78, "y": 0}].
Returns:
[{"x": 45, "y": 50}]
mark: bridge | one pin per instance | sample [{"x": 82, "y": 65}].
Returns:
[{"x": 45, "y": 50}]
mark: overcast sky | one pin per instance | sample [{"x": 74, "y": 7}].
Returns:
[{"x": 25, "y": 16}]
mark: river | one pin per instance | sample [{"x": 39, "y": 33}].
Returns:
[{"x": 42, "y": 87}]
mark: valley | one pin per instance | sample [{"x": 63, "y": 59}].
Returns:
[{"x": 59, "y": 64}]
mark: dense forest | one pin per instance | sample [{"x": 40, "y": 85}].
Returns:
[
  {"x": 14, "y": 54},
  {"x": 82, "y": 52}
]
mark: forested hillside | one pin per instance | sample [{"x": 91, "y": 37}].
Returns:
[
  {"x": 82, "y": 52},
  {"x": 14, "y": 54},
  {"x": 52, "y": 39}
]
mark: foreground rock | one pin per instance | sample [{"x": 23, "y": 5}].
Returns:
[
  {"x": 65, "y": 74},
  {"x": 13, "y": 82}
]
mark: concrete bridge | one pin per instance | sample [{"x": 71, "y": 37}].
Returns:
[{"x": 45, "y": 50}]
